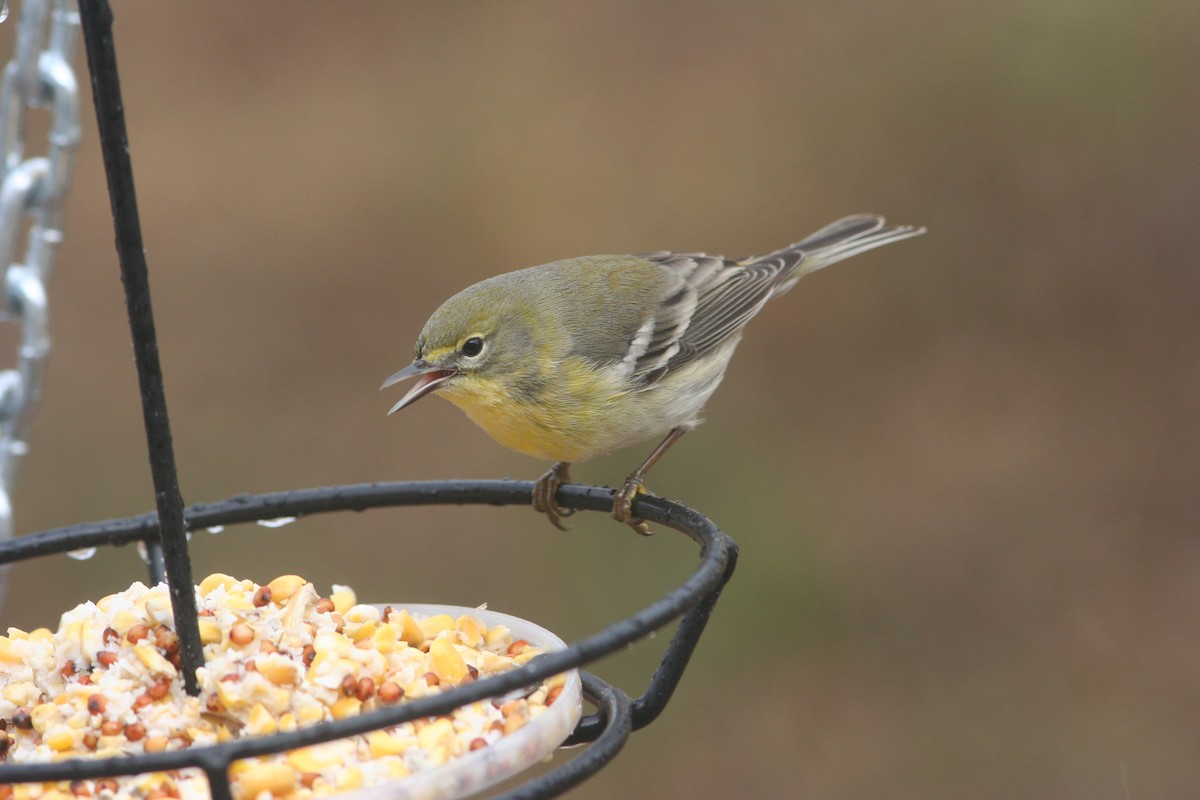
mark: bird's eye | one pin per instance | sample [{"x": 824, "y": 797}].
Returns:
[{"x": 472, "y": 347}]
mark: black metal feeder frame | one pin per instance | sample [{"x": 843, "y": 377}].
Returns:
[{"x": 163, "y": 533}]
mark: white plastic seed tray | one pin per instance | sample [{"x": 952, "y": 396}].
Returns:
[{"x": 480, "y": 769}]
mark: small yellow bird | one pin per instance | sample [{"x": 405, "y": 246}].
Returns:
[{"x": 578, "y": 358}]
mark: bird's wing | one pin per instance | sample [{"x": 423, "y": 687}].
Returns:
[
  {"x": 713, "y": 297},
  {"x": 658, "y": 339},
  {"x": 711, "y": 301}
]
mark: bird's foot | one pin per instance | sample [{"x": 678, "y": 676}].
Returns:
[
  {"x": 623, "y": 504},
  {"x": 545, "y": 495}
]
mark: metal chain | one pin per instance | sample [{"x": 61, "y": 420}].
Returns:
[{"x": 41, "y": 75}]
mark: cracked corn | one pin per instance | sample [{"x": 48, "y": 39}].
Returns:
[{"x": 278, "y": 657}]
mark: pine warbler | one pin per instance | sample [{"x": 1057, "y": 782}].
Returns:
[{"x": 581, "y": 357}]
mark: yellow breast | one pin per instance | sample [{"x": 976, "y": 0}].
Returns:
[
  {"x": 520, "y": 427},
  {"x": 574, "y": 418}
]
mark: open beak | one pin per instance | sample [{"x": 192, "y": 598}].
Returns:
[{"x": 429, "y": 379}]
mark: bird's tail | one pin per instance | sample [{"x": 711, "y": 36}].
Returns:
[{"x": 836, "y": 242}]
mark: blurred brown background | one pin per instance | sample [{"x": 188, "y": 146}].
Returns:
[{"x": 962, "y": 469}]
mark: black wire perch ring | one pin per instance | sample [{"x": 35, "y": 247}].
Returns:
[{"x": 607, "y": 729}]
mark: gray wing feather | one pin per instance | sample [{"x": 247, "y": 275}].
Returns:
[
  {"x": 722, "y": 297},
  {"x": 844, "y": 229},
  {"x": 715, "y": 297}
]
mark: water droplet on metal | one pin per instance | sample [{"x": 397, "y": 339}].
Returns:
[
  {"x": 215, "y": 529},
  {"x": 84, "y": 553},
  {"x": 278, "y": 522}
]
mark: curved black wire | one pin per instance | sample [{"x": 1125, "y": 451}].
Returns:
[
  {"x": 693, "y": 600},
  {"x": 616, "y": 720}
]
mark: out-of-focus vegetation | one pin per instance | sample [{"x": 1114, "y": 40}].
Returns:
[{"x": 962, "y": 469}]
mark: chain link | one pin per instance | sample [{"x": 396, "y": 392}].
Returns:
[{"x": 40, "y": 76}]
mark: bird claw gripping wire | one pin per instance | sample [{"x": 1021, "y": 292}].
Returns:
[
  {"x": 623, "y": 504},
  {"x": 545, "y": 499},
  {"x": 545, "y": 495}
]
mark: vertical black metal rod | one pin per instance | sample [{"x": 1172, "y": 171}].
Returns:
[
  {"x": 96, "y": 19},
  {"x": 666, "y": 678},
  {"x": 645, "y": 709}
]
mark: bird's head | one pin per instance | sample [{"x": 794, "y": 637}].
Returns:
[{"x": 475, "y": 348}]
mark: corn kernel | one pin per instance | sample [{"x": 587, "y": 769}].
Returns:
[
  {"x": 159, "y": 609},
  {"x": 8, "y": 651},
  {"x": 490, "y": 662},
  {"x": 349, "y": 778},
  {"x": 22, "y": 693},
  {"x": 273, "y": 697},
  {"x": 91, "y": 637},
  {"x": 343, "y": 598},
  {"x": 498, "y": 638},
  {"x": 277, "y": 779},
  {"x": 331, "y": 643},
  {"x": 345, "y": 707},
  {"x": 363, "y": 632},
  {"x": 72, "y": 631},
  {"x": 230, "y": 696},
  {"x": 311, "y": 714},
  {"x": 236, "y": 603},
  {"x": 210, "y": 632},
  {"x": 305, "y": 760},
  {"x": 318, "y": 757},
  {"x": 527, "y": 655},
  {"x": 361, "y": 614},
  {"x": 319, "y": 665},
  {"x": 218, "y": 580},
  {"x": 446, "y": 661},
  {"x": 469, "y": 631},
  {"x": 153, "y": 660},
  {"x": 295, "y": 606},
  {"x": 125, "y": 619},
  {"x": 514, "y": 722},
  {"x": 260, "y": 721},
  {"x": 284, "y": 587},
  {"x": 278, "y": 669},
  {"x": 61, "y": 740},
  {"x": 387, "y": 744},
  {"x": 42, "y": 715},
  {"x": 440, "y": 732},
  {"x": 432, "y": 626},
  {"x": 385, "y": 638},
  {"x": 410, "y": 631}
]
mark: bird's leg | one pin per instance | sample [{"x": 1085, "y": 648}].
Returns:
[
  {"x": 545, "y": 495},
  {"x": 623, "y": 497}
]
